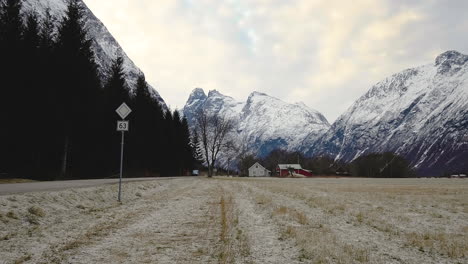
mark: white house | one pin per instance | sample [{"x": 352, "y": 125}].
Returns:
[{"x": 258, "y": 170}]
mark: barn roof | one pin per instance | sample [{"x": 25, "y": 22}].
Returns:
[
  {"x": 287, "y": 166},
  {"x": 256, "y": 163}
]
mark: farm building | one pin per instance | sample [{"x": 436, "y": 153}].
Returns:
[
  {"x": 258, "y": 170},
  {"x": 286, "y": 170}
]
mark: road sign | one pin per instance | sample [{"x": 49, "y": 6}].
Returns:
[
  {"x": 122, "y": 125},
  {"x": 123, "y": 110}
]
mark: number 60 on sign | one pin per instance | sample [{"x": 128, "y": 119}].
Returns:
[{"x": 122, "y": 125}]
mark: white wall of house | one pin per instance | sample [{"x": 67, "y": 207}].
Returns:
[{"x": 258, "y": 170}]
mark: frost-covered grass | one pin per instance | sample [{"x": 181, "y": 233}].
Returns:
[
  {"x": 235, "y": 220},
  {"x": 370, "y": 220}
]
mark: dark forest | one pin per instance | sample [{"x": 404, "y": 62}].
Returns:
[{"x": 58, "y": 118}]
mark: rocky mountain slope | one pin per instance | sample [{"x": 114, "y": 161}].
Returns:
[
  {"x": 420, "y": 113},
  {"x": 105, "y": 47},
  {"x": 263, "y": 123}
]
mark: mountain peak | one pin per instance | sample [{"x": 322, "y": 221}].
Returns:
[
  {"x": 198, "y": 93},
  {"x": 256, "y": 93},
  {"x": 451, "y": 57},
  {"x": 263, "y": 122},
  {"x": 302, "y": 104},
  {"x": 214, "y": 93}
]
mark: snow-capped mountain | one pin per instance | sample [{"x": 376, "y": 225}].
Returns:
[
  {"x": 263, "y": 123},
  {"x": 420, "y": 113},
  {"x": 105, "y": 47}
]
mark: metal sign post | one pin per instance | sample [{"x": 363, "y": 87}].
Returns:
[{"x": 122, "y": 126}]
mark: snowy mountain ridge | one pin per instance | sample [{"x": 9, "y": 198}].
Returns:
[
  {"x": 105, "y": 46},
  {"x": 419, "y": 113},
  {"x": 263, "y": 123}
]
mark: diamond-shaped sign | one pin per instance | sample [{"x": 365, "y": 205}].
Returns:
[{"x": 123, "y": 110}]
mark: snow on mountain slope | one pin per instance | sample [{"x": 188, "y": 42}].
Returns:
[
  {"x": 420, "y": 113},
  {"x": 104, "y": 45},
  {"x": 263, "y": 123}
]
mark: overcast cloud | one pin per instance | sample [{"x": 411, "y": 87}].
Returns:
[{"x": 323, "y": 53}]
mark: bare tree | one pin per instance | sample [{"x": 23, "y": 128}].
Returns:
[{"x": 213, "y": 131}]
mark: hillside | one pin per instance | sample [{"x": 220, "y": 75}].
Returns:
[
  {"x": 419, "y": 113},
  {"x": 105, "y": 46},
  {"x": 263, "y": 122}
]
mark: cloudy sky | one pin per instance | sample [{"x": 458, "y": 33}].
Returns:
[{"x": 325, "y": 53}]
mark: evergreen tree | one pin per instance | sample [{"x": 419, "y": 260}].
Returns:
[
  {"x": 77, "y": 90},
  {"x": 186, "y": 151},
  {"x": 141, "y": 130},
  {"x": 50, "y": 87},
  {"x": 157, "y": 139},
  {"x": 197, "y": 153},
  {"x": 47, "y": 32},
  {"x": 11, "y": 31},
  {"x": 115, "y": 93},
  {"x": 167, "y": 145},
  {"x": 177, "y": 145},
  {"x": 116, "y": 88},
  {"x": 30, "y": 143},
  {"x": 381, "y": 165}
]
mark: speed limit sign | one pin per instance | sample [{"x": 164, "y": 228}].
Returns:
[{"x": 122, "y": 125}]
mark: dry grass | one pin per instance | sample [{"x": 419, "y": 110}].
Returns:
[
  {"x": 228, "y": 222},
  {"x": 235, "y": 245},
  {"x": 7, "y": 181},
  {"x": 322, "y": 246},
  {"x": 12, "y": 215},
  {"x": 262, "y": 199},
  {"x": 425, "y": 214},
  {"x": 294, "y": 214},
  {"x": 314, "y": 221},
  {"x": 451, "y": 245},
  {"x": 37, "y": 211},
  {"x": 23, "y": 259}
]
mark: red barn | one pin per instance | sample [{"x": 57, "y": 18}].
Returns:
[{"x": 286, "y": 170}]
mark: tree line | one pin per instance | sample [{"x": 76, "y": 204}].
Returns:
[
  {"x": 57, "y": 116},
  {"x": 373, "y": 165}
]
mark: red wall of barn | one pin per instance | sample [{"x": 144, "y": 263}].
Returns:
[{"x": 285, "y": 173}]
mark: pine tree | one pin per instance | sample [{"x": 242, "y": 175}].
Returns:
[
  {"x": 11, "y": 31},
  {"x": 115, "y": 93},
  {"x": 186, "y": 151},
  {"x": 47, "y": 32},
  {"x": 31, "y": 141},
  {"x": 177, "y": 147},
  {"x": 116, "y": 88},
  {"x": 167, "y": 146},
  {"x": 51, "y": 88},
  {"x": 196, "y": 150},
  {"x": 77, "y": 90},
  {"x": 157, "y": 141},
  {"x": 141, "y": 131}
]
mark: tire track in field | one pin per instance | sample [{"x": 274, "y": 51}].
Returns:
[
  {"x": 111, "y": 222},
  {"x": 175, "y": 231},
  {"x": 263, "y": 234},
  {"x": 380, "y": 247}
]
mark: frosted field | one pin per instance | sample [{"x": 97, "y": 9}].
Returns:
[{"x": 238, "y": 220}]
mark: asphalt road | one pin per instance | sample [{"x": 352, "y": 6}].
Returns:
[{"x": 12, "y": 188}]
